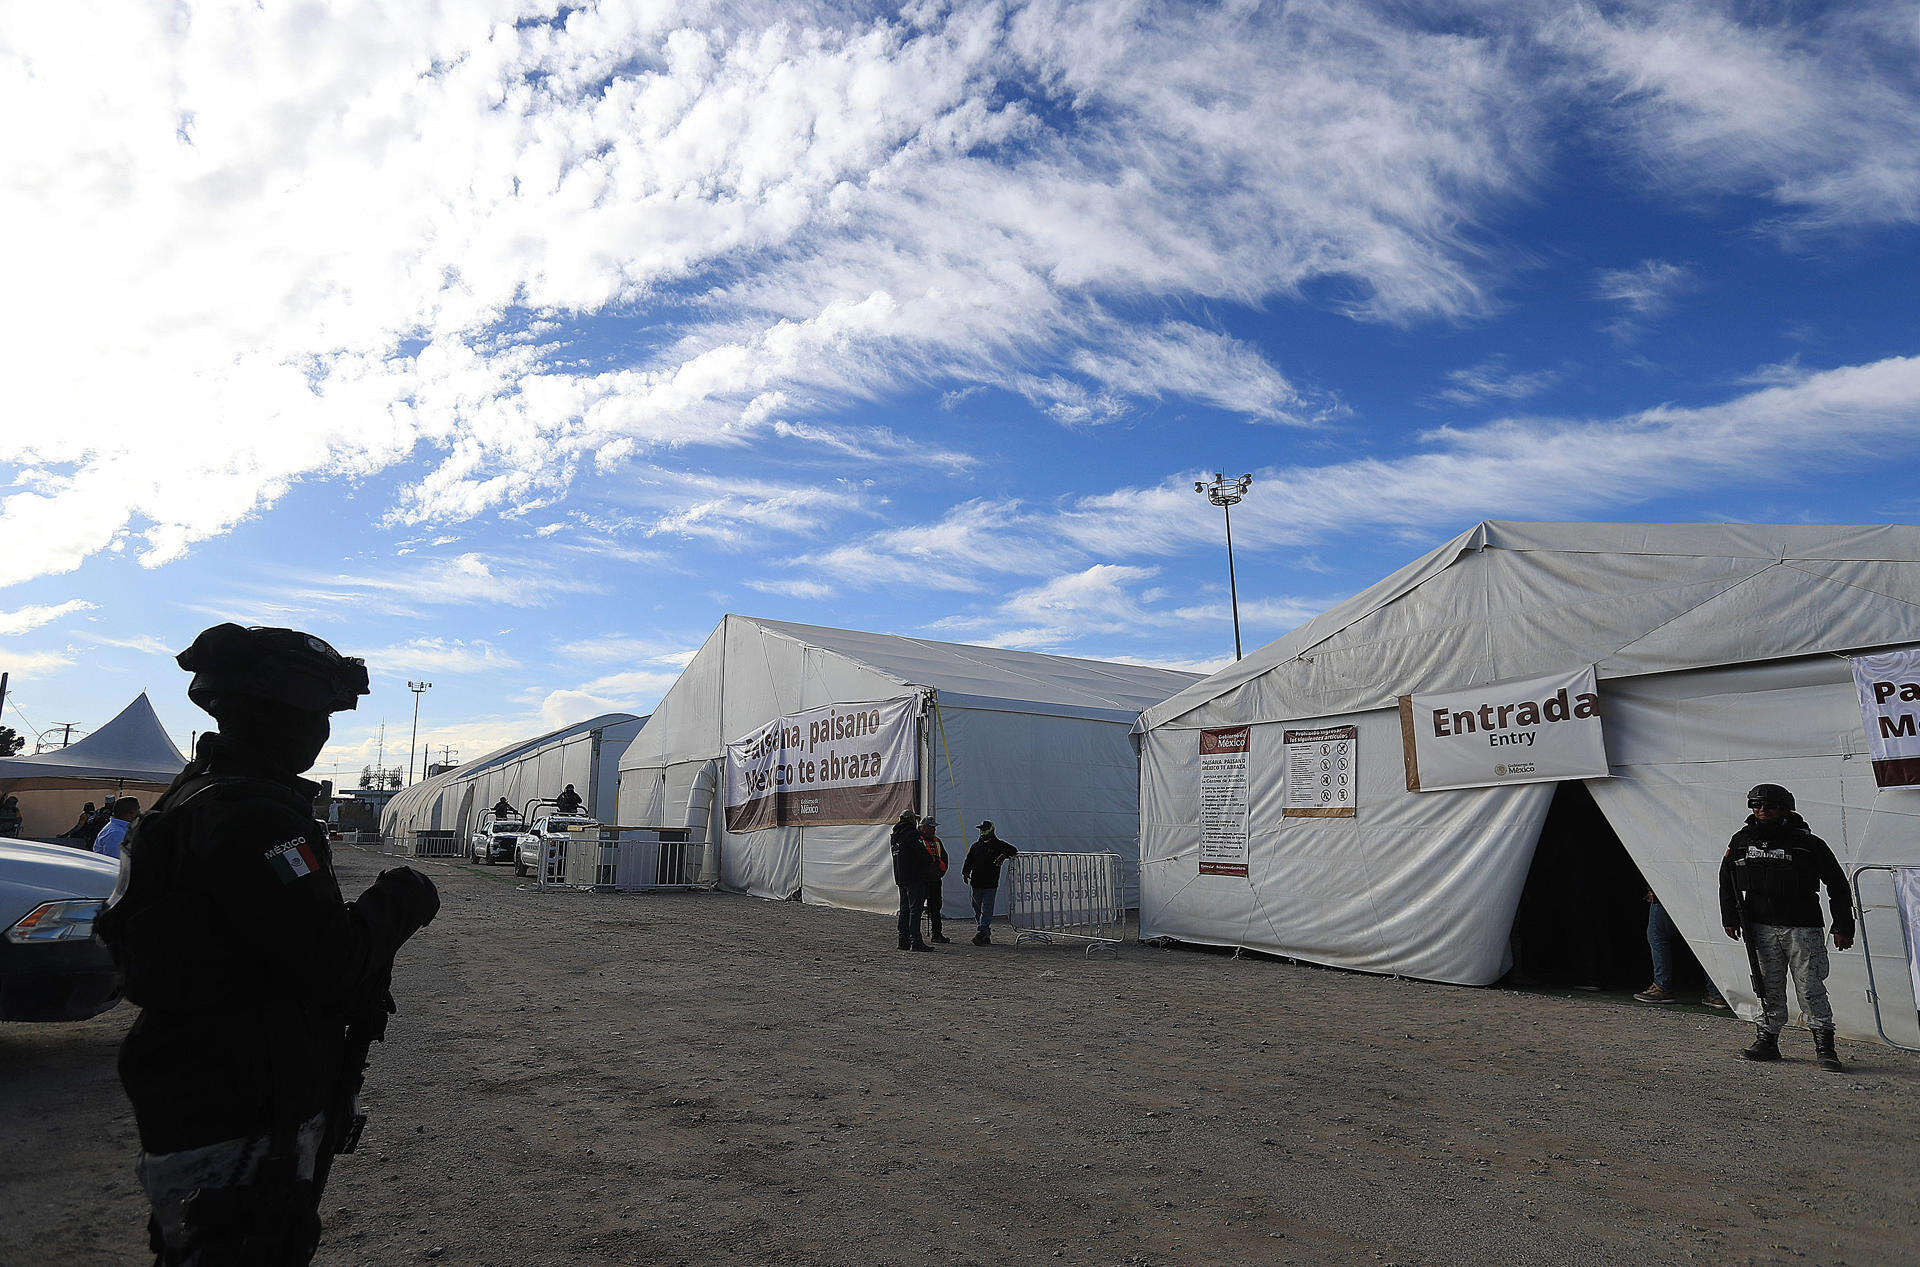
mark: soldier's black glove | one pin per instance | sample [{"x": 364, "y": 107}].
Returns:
[{"x": 413, "y": 896}]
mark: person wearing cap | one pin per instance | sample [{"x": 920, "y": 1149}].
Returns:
[
  {"x": 568, "y": 802},
  {"x": 79, "y": 828},
  {"x": 125, "y": 810},
  {"x": 503, "y": 810},
  {"x": 235, "y": 943},
  {"x": 937, "y": 871},
  {"x": 1770, "y": 884},
  {"x": 981, "y": 873},
  {"x": 910, "y": 867}
]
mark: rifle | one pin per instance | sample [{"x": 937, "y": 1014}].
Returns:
[
  {"x": 1753, "y": 952},
  {"x": 366, "y": 1025}
]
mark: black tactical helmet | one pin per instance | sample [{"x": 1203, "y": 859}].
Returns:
[
  {"x": 283, "y": 665},
  {"x": 1771, "y": 794}
]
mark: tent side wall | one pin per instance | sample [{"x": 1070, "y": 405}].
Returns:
[
  {"x": 1048, "y": 783},
  {"x": 1421, "y": 885}
]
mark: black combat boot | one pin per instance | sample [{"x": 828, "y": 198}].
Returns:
[
  {"x": 1823, "y": 1051},
  {"x": 1764, "y": 1046}
]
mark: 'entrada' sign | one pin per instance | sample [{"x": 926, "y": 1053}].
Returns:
[{"x": 1537, "y": 731}]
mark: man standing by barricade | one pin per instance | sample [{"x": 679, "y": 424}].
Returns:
[
  {"x": 981, "y": 873},
  {"x": 258, "y": 985},
  {"x": 910, "y": 868},
  {"x": 1770, "y": 884},
  {"x": 937, "y": 860}
]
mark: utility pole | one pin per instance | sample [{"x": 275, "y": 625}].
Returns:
[
  {"x": 1226, "y": 494},
  {"x": 417, "y": 688},
  {"x": 380, "y": 753},
  {"x": 3, "y": 694}
]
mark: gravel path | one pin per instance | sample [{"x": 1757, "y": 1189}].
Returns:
[{"x": 696, "y": 1079}]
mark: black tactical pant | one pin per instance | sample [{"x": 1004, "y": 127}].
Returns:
[{"x": 913, "y": 898}]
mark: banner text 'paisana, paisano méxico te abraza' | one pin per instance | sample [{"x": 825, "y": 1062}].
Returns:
[
  {"x": 831, "y": 766},
  {"x": 1537, "y": 730},
  {"x": 1889, "y": 687}
]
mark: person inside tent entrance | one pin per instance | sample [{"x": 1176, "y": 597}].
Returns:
[{"x": 1770, "y": 884}]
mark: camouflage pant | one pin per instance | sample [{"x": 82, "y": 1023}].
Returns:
[
  {"x": 170, "y": 1178},
  {"x": 1804, "y": 952}
]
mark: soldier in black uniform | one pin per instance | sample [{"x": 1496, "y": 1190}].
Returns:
[
  {"x": 244, "y": 959},
  {"x": 568, "y": 802},
  {"x": 1770, "y": 884}
]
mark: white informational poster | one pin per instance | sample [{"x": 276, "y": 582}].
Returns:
[
  {"x": 1223, "y": 800},
  {"x": 1906, "y": 887},
  {"x": 1321, "y": 772},
  {"x": 845, "y": 763},
  {"x": 1539, "y": 730},
  {"x": 1889, "y": 686}
]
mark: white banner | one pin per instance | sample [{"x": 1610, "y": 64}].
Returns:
[
  {"x": 1540, "y": 730},
  {"x": 1223, "y": 800},
  {"x": 1889, "y": 686},
  {"x": 1321, "y": 772},
  {"x": 845, "y": 763}
]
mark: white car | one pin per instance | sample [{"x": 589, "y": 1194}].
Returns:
[
  {"x": 52, "y": 967},
  {"x": 533, "y": 846},
  {"x": 496, "y": 840}
]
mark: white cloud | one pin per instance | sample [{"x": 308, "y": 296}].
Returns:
[
  {"x": 1494, "y": 379},
  {"x": 1644, "y": 292},
  {"x": 302, "y": 247},
  {"x": 622, "y": 647},
  {"x": 1815, "y": 109},
  {"x": 25, "y": 664},
  {"x": 633, "y": 690},
  {"x": 439, "y": 655},
  {"x": 22, "y": 619},
  {"x": 794, "y": 588},
  {"x": 145, "y": 643}
]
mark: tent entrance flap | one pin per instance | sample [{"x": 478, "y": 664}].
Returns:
[{"x": 1582, "y": 918}]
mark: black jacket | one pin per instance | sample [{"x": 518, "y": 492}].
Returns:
[
  {"x": 240, "y": 951},
  {"x": 1775, "y": 870},
  {"x": 982, "y": 867},
  {"x": 912, "y": 864}
]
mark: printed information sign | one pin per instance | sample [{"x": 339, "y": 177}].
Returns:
[
  {"x": 1539, "y": 730},
  {"x": 1322, "y": 772},
  {"x": 1223, "y": 800},
  {"x": 1889, "y": 686},
  {"x": 845, "y": 763}
]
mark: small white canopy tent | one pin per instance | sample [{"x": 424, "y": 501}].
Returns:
[
  {"x": 1040, "y": 744},
  {"x": 130, "y": 753},
  {"x": 1719, "y": 653}
]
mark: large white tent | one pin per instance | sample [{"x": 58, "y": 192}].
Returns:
[
  {"x": 585, "y": 754},
  {"x": 1040, "y": 744},
  {"x": 131, "y": 753},
  {"x": 1720, "y": 653}
]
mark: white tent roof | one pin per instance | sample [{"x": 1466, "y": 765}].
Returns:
[
  {"x": 132, "y": 746},
  {"x": 983, "y": 676},
  {"x": 1510, "y": 600},
  {"x": 408, "y": 797}
]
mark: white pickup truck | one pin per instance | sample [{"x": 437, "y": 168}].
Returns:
[
  {"x": 533, "y": 845},
  {"x": 496, "y": 839}
]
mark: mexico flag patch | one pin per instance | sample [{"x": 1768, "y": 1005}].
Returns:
[{"x": 292, "y": 859}]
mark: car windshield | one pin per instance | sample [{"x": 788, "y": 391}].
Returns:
[{"x": 508, "y": 824}]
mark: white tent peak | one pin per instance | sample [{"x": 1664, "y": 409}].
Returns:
[
  {"x": 134, "y": 745},
  {"x": 964, "y": 671},
  {"x": 1509, "y": 599}
]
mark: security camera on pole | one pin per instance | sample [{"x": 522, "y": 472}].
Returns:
[
  {"x": 1226, "y": 494},
  {"x": 416, "y": 688}
]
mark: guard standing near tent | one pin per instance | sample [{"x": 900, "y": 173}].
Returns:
[
  {"x": 255, "y": 979},
  {"x": 568, "y": 802},
  {"x": 501, "y": 809},
  {"x": 981, "y": 872},
  {"x": 910, "y": 867},
  {"x": 937, "y": 857},
  {"x": 1770, "y": 884}
]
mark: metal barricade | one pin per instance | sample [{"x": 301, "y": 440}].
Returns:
[
  {"x": 1905, "y": 882},
  {"x": 650, "y": 859},
  {"x": 1078, "y": 896},
  {"x": 553, "y": 862},
  {"x": 437, "y": 844}
]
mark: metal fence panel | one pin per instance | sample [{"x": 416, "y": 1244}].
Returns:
[
  {"x": 1073, "y": 895},
  {"x": 438, "y": 844},
  {"x": 1904, "y": 986}
]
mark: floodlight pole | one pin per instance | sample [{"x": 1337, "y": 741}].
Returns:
[
  {"x": 417, "y": 688},
  {"x": 1226, "y": 494}
]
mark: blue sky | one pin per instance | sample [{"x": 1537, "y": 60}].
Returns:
[{"x": 511, "y": 350}]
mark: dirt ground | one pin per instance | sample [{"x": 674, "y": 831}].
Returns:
[{"x": 695, "y": 1079}]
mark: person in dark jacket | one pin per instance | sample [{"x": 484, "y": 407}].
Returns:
[
  {"x": 568, "y": 802},
  {"x": 910, "y": 867},
  {"x": 1770, "y": 884},
  {"x": 937, "y": 857},
  {"x": 236, "y": 944},
  {"x": 503, "y": 810},
  {"x": 79, "y": 828},
  {"x": 981, "y": 873}
]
